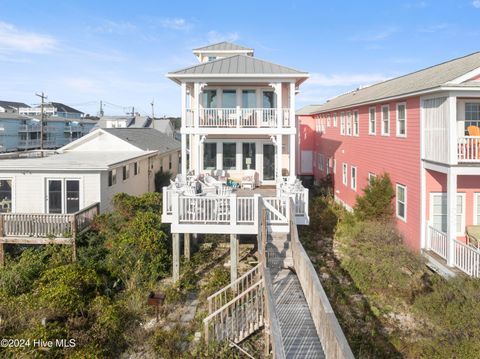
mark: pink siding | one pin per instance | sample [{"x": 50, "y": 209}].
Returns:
[
  {"x": 437, "y": 182},
  {"x": 306, "y": 136},
  {"x": 400, "y": 157}
]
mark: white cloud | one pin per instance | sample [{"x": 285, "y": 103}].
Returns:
[
  {"x": 176, "y": 24},
  {"x": 373, "y": 36},
  {"x": 416, "y": 5},
  {"x": 14, "y": 39},
  {"x": 435, "y": 28},
  {"x": 344, "y": 79},
  {"x": 81, "y": 85},
  {"x": 476, "y": 3},
  {"x": 215, "y": 36},
  {"x": 115, "y": 27}
]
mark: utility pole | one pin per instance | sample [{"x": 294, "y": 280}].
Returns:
[
  {"x": 153, "y": 111},
  {"x": 133, "y": 111},
  {"x": 43, "y": 97},
  {"x": 100, "y": 113}
]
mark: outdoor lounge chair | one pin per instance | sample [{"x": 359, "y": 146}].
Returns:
[{"x": 248, "y": 180}]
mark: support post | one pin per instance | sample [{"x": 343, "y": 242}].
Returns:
[
  {"x": 279, "y": 156},
  {"x": 451, "y": 215},
  {"x": 184, "y": 156},
  {"x": 2, "y": 234},
  {"x": 186, "y": 245},
  {"x": 233, "y": 257},
  {"x": 291, "y": 156},
  {"x": 74, "y": 229},
  {"x": 176, "y": 256}
]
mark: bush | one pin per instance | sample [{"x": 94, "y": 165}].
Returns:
[
  {"x": 162, "y": 179},
  {"x": 169, "y": 344},
  {"x": 376, "y": 202}
]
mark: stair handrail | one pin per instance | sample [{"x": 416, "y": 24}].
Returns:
[{"x": 237, "y": 286}]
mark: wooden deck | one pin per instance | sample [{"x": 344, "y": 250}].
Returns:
[{"x": 264, "y": 191}]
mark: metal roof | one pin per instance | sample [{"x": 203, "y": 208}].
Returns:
[
  {"x": 13, "y": 104},
  {"x": 427, "y": 79},
  {"x": 222, "y": 46},
  {"x": 238, "y": 65},
  {"x": 147, "y": 139}
]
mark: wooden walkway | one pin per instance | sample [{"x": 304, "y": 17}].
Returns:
[{"x": 298, "y": 330}]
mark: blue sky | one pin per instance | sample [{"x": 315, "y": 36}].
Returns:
[{"x": 117, "y": 51}]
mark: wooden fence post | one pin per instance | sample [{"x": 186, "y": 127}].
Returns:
[{"x": 73, "y": 226}]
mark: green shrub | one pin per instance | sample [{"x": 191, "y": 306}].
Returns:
[
  {"x": 218, "y": 278},
  {"x": 170, "y": 344},
  {"x": 189, "y": 278},
  {"x": 376, "y": 201},
  {"x": 162, "y": 179}
]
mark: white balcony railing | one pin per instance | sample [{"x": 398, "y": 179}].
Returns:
[
  {"x": 239, "y": 117},
  {"x": 468, "y": 149},
  {"x": 26, "y": 144},
  {"x": 465, "y": 257}
]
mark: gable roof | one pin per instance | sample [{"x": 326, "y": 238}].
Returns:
[
  {"x": 429, "y": 78},
  {"x": 12, "y": 104},
  {"x": 147, "y": 139},
  {"x": 64, "y": 108},
  {"x": 222, "y": 46},
  {"x": 237, "y": 65}
]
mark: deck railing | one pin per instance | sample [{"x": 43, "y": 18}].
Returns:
[
  {"x": 227, "y": 293},
  {"x": 465, "y": 257},
  {"x": 46, "y": 225},
  {"x": 238, "y": 117},
  {"x": 468, "y": 149},
  {"x": 330, "y": 333},
  {"x": 437, "y": 241}
]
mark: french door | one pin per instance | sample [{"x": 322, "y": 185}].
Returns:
[
  {"x": 268, "y": 162},
  {"x": 63, "y": 195}
]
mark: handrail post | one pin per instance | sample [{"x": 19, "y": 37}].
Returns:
[
  {"x": 233, "y": 209},
  {"x": 73, "y": 230}
]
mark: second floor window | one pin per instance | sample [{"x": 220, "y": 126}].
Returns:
[
  {"x": 126, "y": 172},
  {"x": 342, "y": 123},
  {"x": 334, "y": 120},
  {"x": 112, "y": 177},
  {"x": 345, "y": 174},
  {"x": 472, "y": 116},
  {"x": 356, "y": 124},
  {"x": 210, "y": 98},
  {"x": 372, "y": 122},
  {"x": 249, "y": 99},
  {"x": 401, "y": 120},
  {"x": 229, "y": 99},
  {"x": 349, "y": 123},
  {"x": 385, "y": 120}
]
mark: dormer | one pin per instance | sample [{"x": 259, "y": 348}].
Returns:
[{"x": 220, "y": 50}]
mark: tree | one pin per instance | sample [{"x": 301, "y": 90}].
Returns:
[{"x": 376, "y": 202}]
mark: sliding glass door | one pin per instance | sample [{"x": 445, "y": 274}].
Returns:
[{"x": 268, "y": 162}]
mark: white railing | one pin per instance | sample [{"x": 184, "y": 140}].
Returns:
[
  {"x": 301, "y": 203},
  {"x": 239, "y": 117},
  {"x": 467, "y": 259},
  {"x": 205, "y": 210},
  {"x": 468, "y": 148},
  {"x": 29, "y": 143},
  {"x": 29, "y": 128},
  {"x": 277, "y": 209},
  {"x": 167, "y": 201},
  {"x": 437, "y": 242},
  {"x": 245, "y": 210}
]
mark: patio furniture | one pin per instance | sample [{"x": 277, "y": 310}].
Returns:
[
  {"x": 210, "y": 184},
  {"x": 248, "y": 180},
  {"x": 224, "y": 191},
  {"x": 220, "y": 176}
]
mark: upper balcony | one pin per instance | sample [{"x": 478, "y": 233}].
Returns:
[
  {"x": 35, "y": 127},
  {"x": 239, "y": 118}
]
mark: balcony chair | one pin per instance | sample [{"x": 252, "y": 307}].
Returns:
[
  {"x": 248, "y": 180},
  {"x": 221, "y": 176},
  {"x": 210, "y": 184},
  {"x": 474, "y": 143}
]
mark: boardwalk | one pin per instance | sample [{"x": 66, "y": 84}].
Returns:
[{"x": 299, "y": 334}]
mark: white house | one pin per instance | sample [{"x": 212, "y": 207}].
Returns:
[{"x": 91, "y": 169}]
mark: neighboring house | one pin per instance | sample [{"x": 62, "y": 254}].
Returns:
[
  {"x": 423, "y": 129},
  {"x": 11, "y": 106},
  {"x": 91, "y": 169},
  {"x": 54, "y": 109},
  {"x": 163, "y": 125}
]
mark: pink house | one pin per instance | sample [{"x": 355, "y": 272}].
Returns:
[{"x": 423, "y": 129}]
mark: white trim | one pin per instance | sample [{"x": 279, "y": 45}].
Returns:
[
  {"x": 345, "y": 174},
  {"x": 382, "y": 120},
  {"x": 353, "y": 179},
  {"x": 342, "y": 123},
  {"x": 404, "y": 103},
  {"x": 374, "y": 133},
  {"x": 463, "y": 221},
  {"x": 404, "y": 203},
  {"x": 63, "y": 181},
  {"x": 335, "y": 120},
  {"x": 356, "y": 114},
  {"x": 349, "y": 123},
  {"x": 465, "y": 77},
  {"x": 370, "y": 176}
]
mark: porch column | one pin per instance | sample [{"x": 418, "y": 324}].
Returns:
[
  {"x": 184, "y": 156},
  {"x": 279, "y": 156},
  {"x": 278, "y": 94},
  {"x": 233, "y": 257},
  {"x": 292, "y": 144},
  {"x": 291, "y": 156},
  {"x": 451, "y": 215},
  {"x": 186, "y": 245},
  {"x": 176, "y": 256}
]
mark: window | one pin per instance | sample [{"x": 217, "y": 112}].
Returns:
[
  {"x": 248, "y": 156},
  {"x": 472, "y": 115},
  {"x": 5, "y": 195},
  {"x": 210, "y": 156},
  {"x": 112, "y": 177},
  {"x": 249, "y": 99},
  {"x": 54, "y": 196},
  {"x": 371, "y": 177},
  {"x": 229, "y": 98},
  {"x": 136, "y": 168},
  {"x": 385, "y": 120},
  {"x": 439, "y": 212},
  {"x": 342, "y": 123},
  {"x": 334, "y": 120},
  {"x": 169, "y": 162},
  {"x": 349, "y": 123},
  {"x": 353, "y": 180},
  {"x": 401, "y": 200},
  {"x": 372, "y": 122},
  {"x": 210, "y": 98},
  {"x": 356, "y": 123},
  {"x": 345, "y": 174},
  {"x": 328, "y": 120},
  {"x": 211, "y": 58},
  {"x": 268, "y": 99},
  {"x": 229, "y": 156},
  {"x": 126, "y": 172},
  {"x": 401, "y": 120},
  {"x": 72, "y": 196}
]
